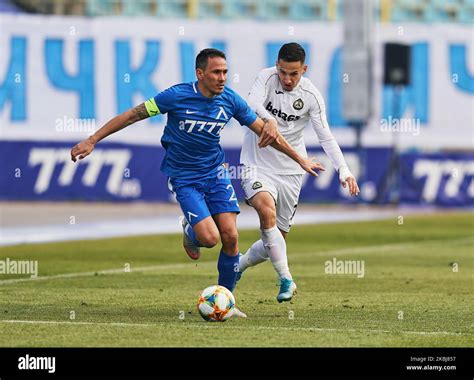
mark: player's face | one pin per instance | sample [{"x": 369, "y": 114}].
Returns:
[
  {"x": 214, "y": 77},
  {"x": 290, "y": 73}
]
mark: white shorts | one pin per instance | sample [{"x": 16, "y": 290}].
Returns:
[{"x": 285, "y": 190}]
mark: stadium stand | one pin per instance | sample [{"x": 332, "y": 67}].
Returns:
[{"x": 428, "y": 11}]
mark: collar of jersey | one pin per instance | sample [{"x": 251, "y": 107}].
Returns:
[
  {"x": 205, "y": 97},
  {"x": 292, "y": 91}
]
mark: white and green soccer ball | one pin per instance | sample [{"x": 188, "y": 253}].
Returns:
[{"x": 216, "y": 304}]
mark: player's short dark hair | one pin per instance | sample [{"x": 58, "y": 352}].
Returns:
[
  {"x": 204, "y": 55},
  {"x": 292, "y": 52}
]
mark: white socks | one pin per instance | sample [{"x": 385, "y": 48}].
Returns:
[
  {"x": 275, "y": 246},
  {"x": 271, "y": 246},
  {"x": 255, "y": 255}
]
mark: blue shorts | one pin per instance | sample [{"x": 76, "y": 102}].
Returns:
[{"x": 204, "y": 198}]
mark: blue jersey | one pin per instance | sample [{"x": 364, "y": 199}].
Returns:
[{"x": 192, "y": 132}]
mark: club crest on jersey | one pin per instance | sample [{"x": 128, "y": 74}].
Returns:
[
  {"x": 222, "y": 113},
  {"x": 283, "y": 115},
  {"x": 256, "y": 185},
  {"x": 298, "y": 104}
]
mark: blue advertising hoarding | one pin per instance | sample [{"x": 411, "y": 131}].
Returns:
[{"x": 39, "y": 170}]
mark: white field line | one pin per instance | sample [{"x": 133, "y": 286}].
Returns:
[
  {"x": 343, "y": 251},
  {"x": 101, "y": 272},
  {"x": 229, "y": 326}
]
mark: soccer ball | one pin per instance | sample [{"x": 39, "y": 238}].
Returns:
[{"x": 216, "y": 304}]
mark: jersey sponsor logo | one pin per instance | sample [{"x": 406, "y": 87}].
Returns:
[
  {"x": 298, "y": 104},
  {"x": 256, "y": 185},
  {"x": 188, "y": 112},
  {"x": 278, "y": 92},
  {"x": 198, "y": 126},
  {"x": 282, "y": 115}
]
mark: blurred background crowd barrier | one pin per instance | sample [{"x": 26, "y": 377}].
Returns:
[{"x": 66, "y": 67}]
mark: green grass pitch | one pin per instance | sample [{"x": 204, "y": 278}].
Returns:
[{"x": 417, "y": 291}]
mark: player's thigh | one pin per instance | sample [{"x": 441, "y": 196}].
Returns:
[
  {"x": 265, "y": 205},
  {"x": 260, "y": 190},
  {"x": 288, "y": 196}
]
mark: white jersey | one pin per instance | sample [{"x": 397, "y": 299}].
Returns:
[{"x": 292, "y": 110}]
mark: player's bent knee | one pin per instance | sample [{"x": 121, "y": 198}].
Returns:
[
  {"x": 209, "y": 237},
  {"x": 208, "y": 240},
  {"x": 229, "y": 237},
  {"x": 267, "y": 217},
  {"x": 207, "y": 233}
]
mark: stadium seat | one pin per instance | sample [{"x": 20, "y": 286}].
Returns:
[
  {"x": 210, "y": 8},
  {"x": 100, "y": 7},
  {"x": 309, "y": 10},
  {"x": 466, "y": 14},
  {"x": 446, "y": 10},
  {"x": 409, "y": 10},
  {"x": 239, "y": 9},
  {"x": 273, "y": 9},
  {"x": 135, "y": 7},
  {"x": 172, "y": 8}
]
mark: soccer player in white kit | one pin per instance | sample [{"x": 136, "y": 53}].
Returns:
[{"x": 271, "y": 181}]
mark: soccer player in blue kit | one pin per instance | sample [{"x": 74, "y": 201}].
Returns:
[{"x": 194, "y": 160}]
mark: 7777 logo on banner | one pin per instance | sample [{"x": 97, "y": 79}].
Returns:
[{"x": 117, "y": 183}]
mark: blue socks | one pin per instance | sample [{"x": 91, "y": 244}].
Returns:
[{"x": 228, "y": 267}]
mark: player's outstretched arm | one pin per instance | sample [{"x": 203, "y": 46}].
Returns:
[
  {"x": 84, "y": 148},
  {"x": 283, "y": 146},
  {"x": 330, "y": 145}
]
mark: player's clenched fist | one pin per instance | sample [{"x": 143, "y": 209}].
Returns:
[{"x": 81, "y": 150}]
